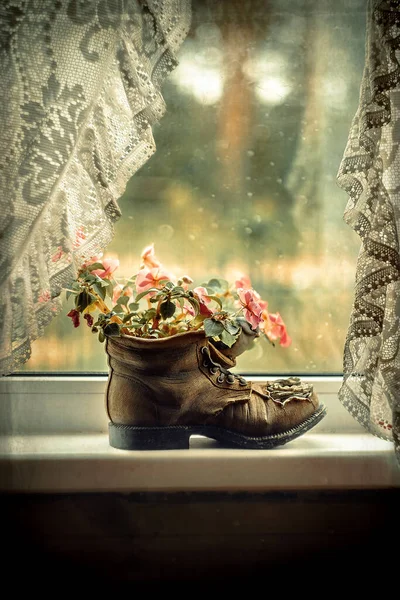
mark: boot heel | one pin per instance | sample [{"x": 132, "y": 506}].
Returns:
[{"x": 126, "y": 437}]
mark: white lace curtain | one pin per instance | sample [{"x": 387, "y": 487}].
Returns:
[
  {"x": 79, "y": 94},
  {"x": 370, "y": 173}
]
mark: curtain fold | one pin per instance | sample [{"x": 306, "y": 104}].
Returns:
[
  {"x": 370, "y": 174},
  {"x": 79, "y": 95}
]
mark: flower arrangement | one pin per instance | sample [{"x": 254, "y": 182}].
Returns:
[{"x": 155, "y": 304}]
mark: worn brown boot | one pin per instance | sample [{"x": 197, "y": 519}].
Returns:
[{"x": 162, "y": 391}]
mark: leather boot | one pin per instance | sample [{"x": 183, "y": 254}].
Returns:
[{"x": 162, "y": 391}]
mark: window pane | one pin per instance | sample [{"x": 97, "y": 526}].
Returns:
[{"x": 244, "y": 177}]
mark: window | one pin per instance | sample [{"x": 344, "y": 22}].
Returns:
[{"x": 244, "y": 177}]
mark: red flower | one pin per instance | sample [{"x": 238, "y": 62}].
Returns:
[
  {"x": 89, "y": 319},
  {"x": 74, "y": 314}
]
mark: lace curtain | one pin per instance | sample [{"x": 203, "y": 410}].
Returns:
[
  {"x": 370, "y": 174},
  {"x": 79, "y": 94}
]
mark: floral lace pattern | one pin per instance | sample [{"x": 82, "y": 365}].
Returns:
[
  {"x": 79, "y": 95},
  {"x": 370, "y": 174}
]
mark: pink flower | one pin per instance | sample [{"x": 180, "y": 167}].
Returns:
[
  {"x": 243, "y": 282},
  {"x": 118, "y": 290},
  {"x": 252, "y": 309},
  {"x": 110, "y": 265},
  {"x": 149, "y": 259},
  {"x": 274, "y": 328},
  {"x": 44, "y": 297},
  {"x": 262, "y": 303},
  {"x": 203, "y": 298},
  {"x": 149, "y": 278},
  {"x": 188, "y": 309},
  {"x": 57, "y": 255},
  {"x": 202, "y": 294}
]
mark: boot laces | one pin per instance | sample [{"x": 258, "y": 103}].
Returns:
[{"x": 214, "y": 367}]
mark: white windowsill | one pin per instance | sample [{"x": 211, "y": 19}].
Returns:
[{"x": 54, "y": 439}]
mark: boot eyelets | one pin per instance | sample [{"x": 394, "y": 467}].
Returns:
[{"x": 214, "y": 368}]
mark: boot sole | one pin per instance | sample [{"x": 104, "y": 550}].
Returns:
[{"x": 126, "y": 437}]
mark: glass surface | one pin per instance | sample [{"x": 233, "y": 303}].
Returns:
[{"x": 244, "y": 177}]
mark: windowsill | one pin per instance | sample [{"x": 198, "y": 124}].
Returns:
[
  {"x": 54, "y": 439},
  {"x": 86, "y": 463}
]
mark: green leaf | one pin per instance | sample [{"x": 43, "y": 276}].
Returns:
[
  {"x": 112, "y": 330},
  {"x": 118, "y": 309},
  {"x": 109, "y": 287},
  {"x": 102, "y": 282},
  {"x": 95, "y": 266},
  {"x": 217, "y": 285},
  {"x": 231, "y": 327},
  {"x": 178, "y": 290},
  {"x": 129, "y": 316},
  {"x": 167, "y": 309},
  {"x": 70, "y": 293},
  {"x": 89, "y": 279},
  {"x": 149, "y": 314},
  {"x": 123, "y": 300},
  {"x": 198, "y": 319},
  {"x": 195, "y": 303},
  {"x": 227, "y": 338},
  {"x": 213, "y": 328},
  {"x": 217, "y": 300},
  {"x": 131, "y": 280},
  {"x": 101, "y": 291},
  {"x": 143, "y": 294},
  {"x": 160, "y": 334},
  {"x": 101, "y": 335},
  {"x": 83, "y": 300},
  {"x": 169, "y": 285},
  {"x": 134, "y": 306}
]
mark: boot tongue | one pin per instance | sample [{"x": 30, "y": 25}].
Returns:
[
  {"x": 223, "y": 359},
  {"x": 227, "y": 356}
]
